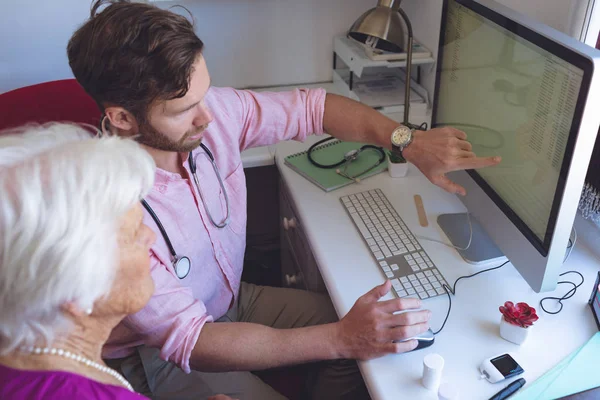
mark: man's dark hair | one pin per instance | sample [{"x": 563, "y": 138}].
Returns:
[{"x": 132, "y": 54}]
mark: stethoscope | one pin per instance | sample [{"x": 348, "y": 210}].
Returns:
[
  {"x": 348, "y": 158},
  {"x": 182, "y": 264}
]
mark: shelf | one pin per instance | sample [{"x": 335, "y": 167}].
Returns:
[{"x": 353, "y": 55}]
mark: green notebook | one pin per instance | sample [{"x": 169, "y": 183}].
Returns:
[{"x": 329, "y": 153}]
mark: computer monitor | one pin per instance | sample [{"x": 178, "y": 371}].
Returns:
[{"x": 528, "y": 93}]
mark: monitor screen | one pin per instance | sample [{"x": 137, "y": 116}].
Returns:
[{"x": 515, "y": 95}]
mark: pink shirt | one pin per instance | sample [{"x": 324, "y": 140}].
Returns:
[{"x": 179, "y": 308}]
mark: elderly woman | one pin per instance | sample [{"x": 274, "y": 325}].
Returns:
[{"x": 74, "y": 259}]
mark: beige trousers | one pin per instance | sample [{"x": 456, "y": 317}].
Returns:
[{"x": 276, "y": 307}]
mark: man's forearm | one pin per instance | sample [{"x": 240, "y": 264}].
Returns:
[
  {"x": 243, "y": 346},
  {"x": 350, "y": 120}
]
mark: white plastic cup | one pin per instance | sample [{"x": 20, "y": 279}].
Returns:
[
  {"x": 433, "y": 364},
  {"x": 447, "y": 391}
]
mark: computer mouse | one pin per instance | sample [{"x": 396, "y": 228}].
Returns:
[{"x": 425, "y": 339}]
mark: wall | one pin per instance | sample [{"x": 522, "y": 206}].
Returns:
[
  {"x": 33, "y": 39},
  {"x": 248, "y": 43}
]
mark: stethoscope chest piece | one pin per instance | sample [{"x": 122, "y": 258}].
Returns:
[{"x": 183, "y": 265}]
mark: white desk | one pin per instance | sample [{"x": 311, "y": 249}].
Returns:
[{"x": 471, "y": 333}]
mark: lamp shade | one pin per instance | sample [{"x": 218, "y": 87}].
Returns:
[{"x": 384, "y": 23}]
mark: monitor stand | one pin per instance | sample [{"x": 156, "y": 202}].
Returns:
[{"x": 482, "y": 249}]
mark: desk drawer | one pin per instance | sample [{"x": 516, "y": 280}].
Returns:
[{"x": 299, "y": 268}]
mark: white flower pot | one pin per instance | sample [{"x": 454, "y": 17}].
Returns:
[
  {"x": 397, "y": 170},
  {"x": 513, "y": 333}
]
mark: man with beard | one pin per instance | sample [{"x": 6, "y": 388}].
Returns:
[{"x": 204, "y": 330}]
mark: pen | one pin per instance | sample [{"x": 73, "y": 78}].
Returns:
[{"x": 509, "y": 390}]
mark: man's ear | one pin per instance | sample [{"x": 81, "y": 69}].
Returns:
[{"x": 122, "y": 120}]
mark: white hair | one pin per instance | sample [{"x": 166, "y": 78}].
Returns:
[{"x": 62, "y": 196}]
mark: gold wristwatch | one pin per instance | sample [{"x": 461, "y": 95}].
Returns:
[{"x": 402, "y": 136}]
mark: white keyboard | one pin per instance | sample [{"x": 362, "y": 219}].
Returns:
[{"x": 398, "y": 253}]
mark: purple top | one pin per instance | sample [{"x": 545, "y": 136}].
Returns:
[{"x": 18, "y": 384}]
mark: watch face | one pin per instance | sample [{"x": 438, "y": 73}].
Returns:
[{"x": 401, "y": 135}]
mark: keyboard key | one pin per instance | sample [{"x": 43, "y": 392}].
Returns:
[
  {"x": 404, "y": 279},
  {"x": 424, "y": 281},
  {"x": 423, "y": 265},
  {"x": 415, "y": 268},
  {"x": 410, "y": 247},
  {"x": 412, "y": 278},
  {"x": 386, "y": 268},
  {"x": 389, "y": 274},
  {"x": 420, "y": 275},
  {"x": 408, "y": 257},
  {"x": 383, "y": 263},
  {"x": 412, "y": 262},
  {"x": 436, "y": 285},
  {"x": 361, "y": 226},
  {"x": 396, "y": 284},
  {"x": 423, "y": 295},
  {"x": 427, "y": 273},
  {"x": 427, "y": 286},
  {"x": 411, "y": 291},
  {"x": 440, "y": 291},
  {"x": 395, "y": 267},
  {"x": 431, "y": 293},
  {"x": 419, "y": 288},
  {"x": 401, "y": 293},
  {"x": 378, "y": 255}
]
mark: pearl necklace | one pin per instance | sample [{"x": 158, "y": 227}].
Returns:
[{"x": 78, "y": 358}]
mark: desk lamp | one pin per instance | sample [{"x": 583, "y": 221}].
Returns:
[{"x": 381, "y": 28}]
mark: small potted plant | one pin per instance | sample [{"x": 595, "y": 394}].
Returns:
[
  {"x": 516, "y": 321},
  {"x": 397, "y": 165}
]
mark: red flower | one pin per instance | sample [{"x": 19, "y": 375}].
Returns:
[{"x": 521, "y": 315}]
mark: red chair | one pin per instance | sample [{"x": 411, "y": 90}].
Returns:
[{"x": 63, "y": 100}]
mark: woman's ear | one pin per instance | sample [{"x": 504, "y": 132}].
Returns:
[
  {"x": 122, "y": 120},
  {"x": 74, "y": 310}
]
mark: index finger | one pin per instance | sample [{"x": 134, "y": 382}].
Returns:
[
  {"x": 457, "y": 133},
  {"x": 474, "y": 163}
]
